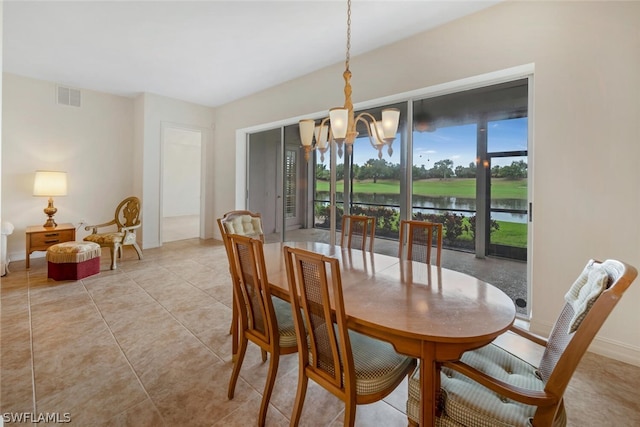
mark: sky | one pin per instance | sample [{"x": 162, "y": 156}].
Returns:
[{"x": 456, "y": 143}]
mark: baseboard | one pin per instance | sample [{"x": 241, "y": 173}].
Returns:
[
  {"x": 616, "y": 350},
  {"x": 603, "y": 346}
]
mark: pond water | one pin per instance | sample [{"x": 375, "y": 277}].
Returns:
[{"x": 443, "y": 203}]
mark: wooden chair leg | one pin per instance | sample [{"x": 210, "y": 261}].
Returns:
[
  {"x": 114, "y": 253},
  {"x": 236, "y": 366},
  {"x": 350, "y": 412},
  {"x": 268, "y": 388},
  {"x": 138, "y": 250},
  {"x": 300, "y": 395}
]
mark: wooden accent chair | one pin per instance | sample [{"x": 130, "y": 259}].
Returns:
[
  {"x": 264, "y": 320},
  {"x": 244, "y": 223},
  {"x": 356, "y": 230},
  {"x": 354, "y": 367},
  {"x": 419, "y": 237},
  {"x": 126, "y": 221},
  {"x": 490, "y": 386}
]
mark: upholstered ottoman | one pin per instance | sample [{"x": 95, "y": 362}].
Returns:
[{"x": 73, "y": 260}]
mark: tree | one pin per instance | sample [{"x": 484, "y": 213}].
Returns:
[
  {"x": 375, "y": 169},
  {"x": 469, "y": 172},
  {"x": 443, "y": 168},
  {"x": 517, "y": 170},
  {"x": 420, "y": 172},
  {"x": 321, "y": 172}
]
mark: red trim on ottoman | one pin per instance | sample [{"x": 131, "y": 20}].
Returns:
[{"x": 73, "y": 271}]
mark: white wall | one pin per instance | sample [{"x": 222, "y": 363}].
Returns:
[
  {"x": 585, "y": 126},
  {"x": 93, "y": 143}
]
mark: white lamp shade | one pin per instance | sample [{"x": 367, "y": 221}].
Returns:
[
  {"x": 390, "y": 120},
  {"x": 339, "y": 118},
  {"x": 322, "y": 136},
  {"x": 306, "y": 131},
  {"x": 376, "y": 138},
  {"x": 50, "y": 183}
]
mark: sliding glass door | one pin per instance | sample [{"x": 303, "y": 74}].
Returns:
[{"x": 459, "y": 159}]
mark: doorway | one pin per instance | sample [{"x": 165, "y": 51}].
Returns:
[{"x": 181, "y": 183}]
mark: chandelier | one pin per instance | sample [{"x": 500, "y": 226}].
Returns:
[{"x": 340, "y": 126}]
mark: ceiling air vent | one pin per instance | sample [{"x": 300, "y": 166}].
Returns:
[{"x": 69, "y": 96}]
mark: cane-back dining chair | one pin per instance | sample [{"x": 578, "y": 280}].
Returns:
[
  {"x": 122, "y": 230},
  {"x": 419, "y": 236},
  {"x": 245, "y": 223},
  {"x": 354, "y": 367},
  {"x": 264, "y": 320},
  {"x": 493, "y": 387},
  {"x": 357, "y": 230}
]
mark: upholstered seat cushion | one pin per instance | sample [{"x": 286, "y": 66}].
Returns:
[
  {"x": 376, "y": 363},
  {"x": 286, "y": 326},
  {"x": 105, "y": 238},
  {"x": 72, "y": 252},
  {"x": 244, "y": 225},
  {"x": 467, "y": 403}
]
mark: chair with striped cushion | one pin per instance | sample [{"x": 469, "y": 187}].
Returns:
[
  {"x": 264, "y": 320},
  {"x": 419, "y": 236},
  {"x": 354, "y": 367},
  {"x": 357, "y": 230},
  {"x": 493, "y": 387},
  {"x": 244, "y": 223}
]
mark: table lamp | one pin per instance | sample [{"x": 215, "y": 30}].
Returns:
[{"x": 49, "y": 184}]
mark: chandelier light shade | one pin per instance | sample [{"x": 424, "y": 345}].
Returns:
[
  {"x": 340, "y": 126},
  {"x": 50, "y": 184}
]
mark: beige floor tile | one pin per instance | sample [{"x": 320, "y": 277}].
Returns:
[{"x": 147, "y": 344}]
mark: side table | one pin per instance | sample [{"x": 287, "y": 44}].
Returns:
[{"x": 39, "y": 238}]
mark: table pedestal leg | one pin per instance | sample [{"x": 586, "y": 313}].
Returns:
[{"x": 429, "y": 385}]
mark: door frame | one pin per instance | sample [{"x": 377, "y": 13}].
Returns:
[{"x": 204, "y": 135}]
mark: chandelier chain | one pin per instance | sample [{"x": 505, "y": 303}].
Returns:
[{"x": 346, "y": 62}]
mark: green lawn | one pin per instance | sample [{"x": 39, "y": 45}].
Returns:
[
  {"x": 509, "y": 233},
  {"x": 455, "y": 187}
]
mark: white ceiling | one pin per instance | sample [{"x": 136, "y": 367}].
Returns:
[{"x": 206, "y": 52}]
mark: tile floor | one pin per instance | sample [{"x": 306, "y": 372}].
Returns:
[{"x": 148, "y": 345}]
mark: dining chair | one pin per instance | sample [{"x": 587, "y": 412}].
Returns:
[
  {"x": 419, "y": 236},
  {"x": 357, "y": 230},
  {"x": 120, "y": 231},
  {"x": 492, "y": 386},
  {"x": 263, "y": 319},
  {"x": 356, "y": 368},
  {"x": 244, "y": 223}
]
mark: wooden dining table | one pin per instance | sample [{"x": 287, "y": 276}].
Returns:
[{"x": 427, "y": 312}]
